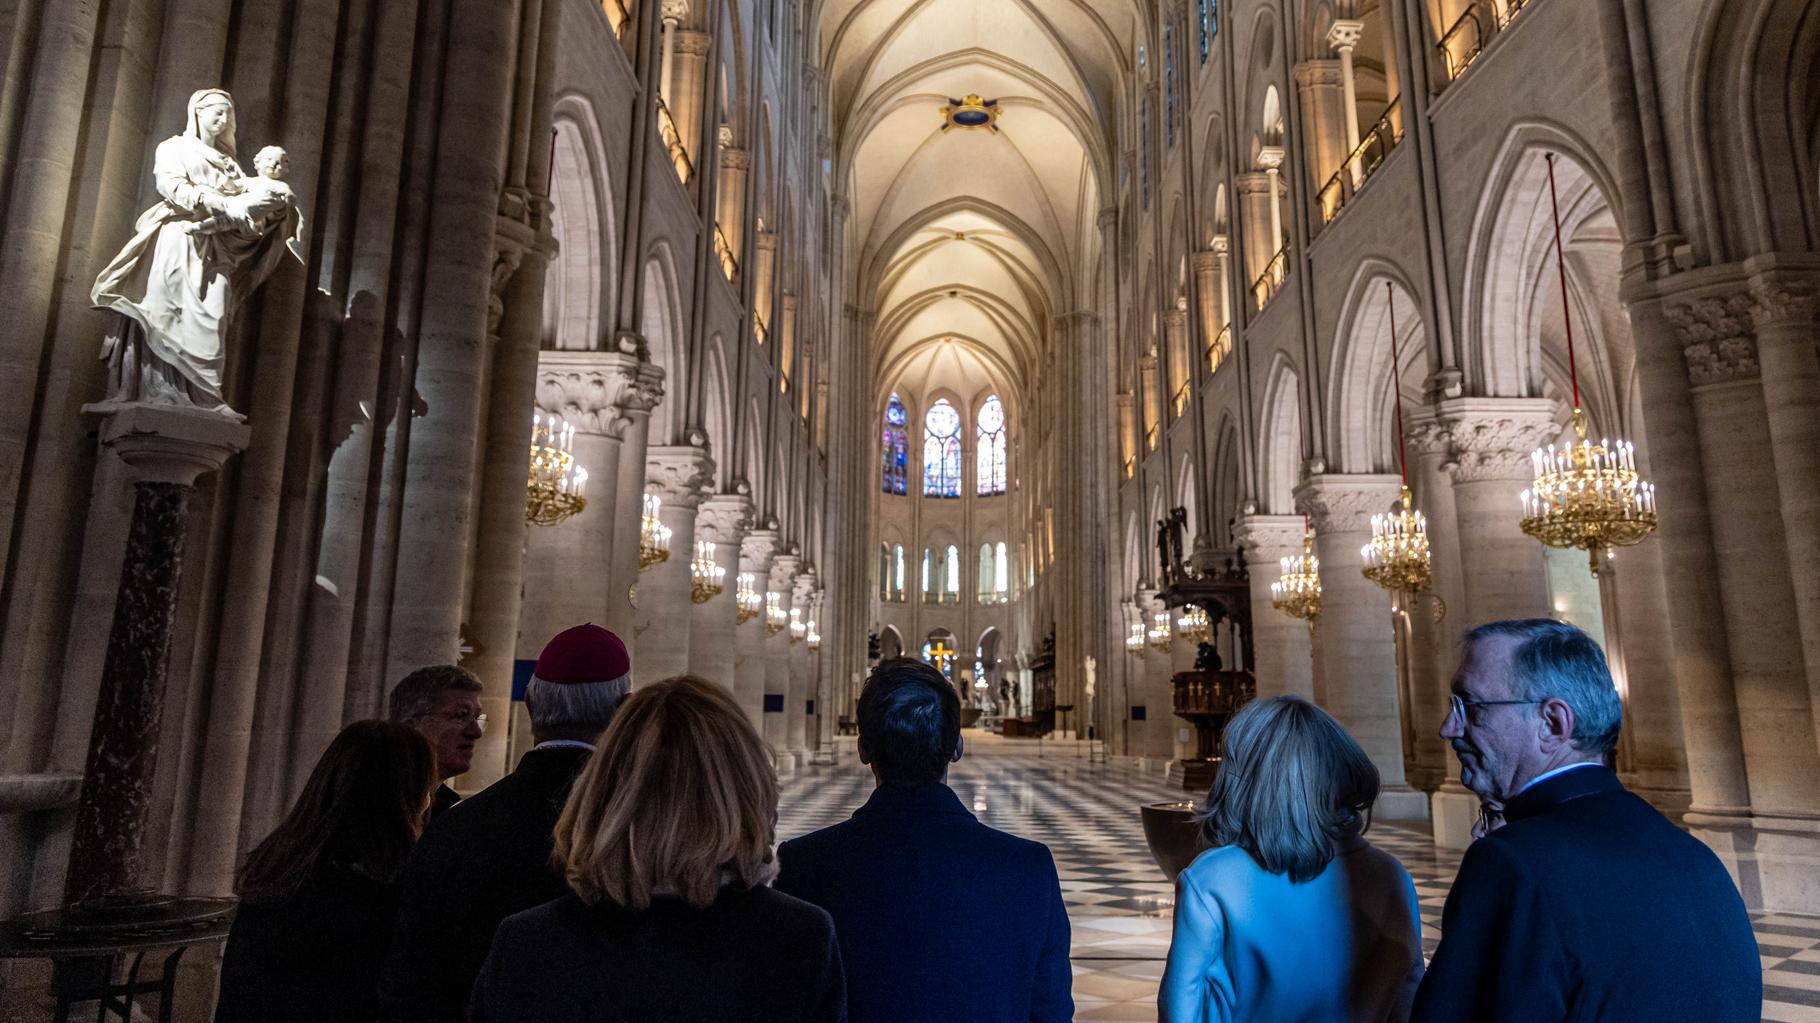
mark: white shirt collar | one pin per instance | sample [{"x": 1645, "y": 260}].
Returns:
[
  {"x": 564, "y": 744},
  {"x": 1563, "y": 769}
]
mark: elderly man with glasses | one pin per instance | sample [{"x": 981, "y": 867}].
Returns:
[
  {"x": 442, "y": 703},
  {"x": 1586, "y": 904}
]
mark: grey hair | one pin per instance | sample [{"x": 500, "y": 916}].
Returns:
[
  {"x": 416, "y": 693},
  {"x": 1556, "y": 661},
  {"x": 584, "y": 706},
  {"x": 1292, "y": 786}
]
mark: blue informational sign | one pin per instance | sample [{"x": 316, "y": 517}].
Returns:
[
  {"x": 774, "y": 703},
  {"x": 1138, "y": 712},
  {"x": 809, "y": 707},
  {"x": 521, "y": 677}
]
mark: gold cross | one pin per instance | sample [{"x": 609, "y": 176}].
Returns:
[{"x": 942, "y": 655}]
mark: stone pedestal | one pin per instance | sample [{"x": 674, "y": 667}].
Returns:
[
  {"x": 1356, "y": 668},
  {"x": 166, "y": 449}
]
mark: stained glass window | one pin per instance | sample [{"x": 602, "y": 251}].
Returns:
[
  {"x": 896, "y": 448},
  {"x": 1207, "y": 28},
  {"x": 989, "y": 453},
  {"x": 942, "y": 451},
  {"x": 1169, "y": 84}
]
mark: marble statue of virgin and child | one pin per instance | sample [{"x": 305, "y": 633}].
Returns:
[{"x": 193, "y": 260}]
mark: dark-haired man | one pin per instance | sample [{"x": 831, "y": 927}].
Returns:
[
  {"x": 939, "y": 917},
  {"x": 442, "y": 703}
]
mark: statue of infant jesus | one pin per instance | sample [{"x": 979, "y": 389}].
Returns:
[{"x": 261, "y": 200}]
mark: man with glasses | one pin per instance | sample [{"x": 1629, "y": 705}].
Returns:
[
  {"x": 1586, "y": 904},
  {"x": 490, "y": 856},
  {"x": 442, "y": 703}
]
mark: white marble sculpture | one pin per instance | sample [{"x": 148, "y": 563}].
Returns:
[{"x": 193, "y": 260}]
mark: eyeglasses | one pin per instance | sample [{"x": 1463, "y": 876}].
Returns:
[
  {"x": 461, "y": 719},
  {"x": 1461, "y": 703}
]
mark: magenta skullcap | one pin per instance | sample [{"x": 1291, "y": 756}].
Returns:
[{"x": 583, "y": 655}]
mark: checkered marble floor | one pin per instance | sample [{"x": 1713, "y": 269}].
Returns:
[{"x": 1118, "y": 902}]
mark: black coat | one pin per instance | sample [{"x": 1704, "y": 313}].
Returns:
[
  {"x": 444, "y": 798},
  {"x": 1590, "y": 905},
  {"x": 314, "y": 957},
  {"x": 939, "y": 916},
  {"x": 752, "y": 957},
  {"x": 482, "y": 860}
]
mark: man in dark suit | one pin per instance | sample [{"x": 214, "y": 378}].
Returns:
[
  {"x": 1586, "y": 904},
  {"x": 442, "y": 702},
  {"x": 939, "y": 917},
  {"x": 489, "y": 856}
]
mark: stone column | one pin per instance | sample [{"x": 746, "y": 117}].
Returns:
[
  {"x": 1775, "y": 709},
  {"x": 1285, "y": 661},
  {"x": 679, "y": 476},
  {"x": 1270, "y": 161},
  {"x": 1356, "y": 655},
  {"x": 1785, "y": 299},
  {"x": 628, "y": 504},
  {"x": 165, "y": 450},
  {"x": 777, "y": 663},
  {"x": 1256, "y": 199},
  {"x": 1153, "y": 402},
  {"x": 1434, "y": 621},
  {"x": 569, "y": 570},
  {"x": 690, "y": 88},
  {"x": 722, "y": 520},
  {"x": 1181, "y": 374},
  {"x": 756, "y": 553},
  {"x": 796, "y": 702},
  {"x": 1343, "y": 36},
  {"x": 672, "y": 20},
  {"x": 1212, "y": 300},
  {"x": 1319, "y": 84},
  {"x": 1489, "y": 445},
  {"x": 735, "y": 164}
]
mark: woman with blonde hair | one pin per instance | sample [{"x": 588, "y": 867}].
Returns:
[
  {"x": 666, "y": 841},
  {"x": 1293, "y": 916}
]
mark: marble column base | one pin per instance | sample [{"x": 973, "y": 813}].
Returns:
[
  {"x": 1455, "y": 811},
  {"x": 1401, "y": 803},
  {"x": 1775, "y": 859}
]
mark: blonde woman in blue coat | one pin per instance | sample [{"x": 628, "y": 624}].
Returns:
[{"x": 1293, "y": 916}]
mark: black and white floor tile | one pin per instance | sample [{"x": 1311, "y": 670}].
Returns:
[{"x": 1118, "y": 902}]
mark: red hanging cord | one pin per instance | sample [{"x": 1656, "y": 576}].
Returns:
[
  {"x": 1573, "y": 369},
  {"x": 1396, "y": 370}
]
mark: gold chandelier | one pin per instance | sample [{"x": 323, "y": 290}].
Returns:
[
  {"x": 1586, "y": 495},
  {"x": 799, "y": 629},
  {"x": 1160, "y": 632},
  {"x": 776, "y": 618},
  {"x": 553, "y": 488},
  {"x": 707, "y": 580},
  {"x": 746, "y": 597},
  {"x": 1397, "y": 558},
  {"x": 1194, "y": 625},
  {"x": 653, "y": 535},
  {"x": 1298, "y": 593},
  {"x": 1134, "y": 640}
]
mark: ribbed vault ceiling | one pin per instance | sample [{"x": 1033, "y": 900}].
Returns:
[{"x": 971, "y": 240}]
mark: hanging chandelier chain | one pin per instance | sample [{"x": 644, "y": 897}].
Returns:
[
  {"x": 1396, "y": 389},
  {"x": 1554, "y": 203}
]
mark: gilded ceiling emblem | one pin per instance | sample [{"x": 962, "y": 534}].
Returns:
[{"x": 972, "y": 112}]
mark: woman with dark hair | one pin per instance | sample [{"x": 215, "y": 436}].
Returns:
[
  {"x": 318, "y": 896},
  {"x": 1293, "y": 916}
]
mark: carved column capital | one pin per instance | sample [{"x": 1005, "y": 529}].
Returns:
[
  {"x": 1219, "y": 246},
  {"x": 692, "y": 43},
  {"x": 724, "y": 519},
  {"x": 1312, "y": 74},
  {"x": 680, "y": 474},
  {"x": 756, "y": 551},
  {"x": 1717, "y": 336},
  {"x": 1784, "y": 297},
  {"x": 1487, "y": 438},
  {"x": 1344, "y": 34},
  {"x": 1265, "y": 538},
  {"x": 783, "y": 571},
  {"x": 1207, "y": 262},
  {"x": 1270, "y": 158},
  {"x": 675, "y": 10},
  {"x": 1109, "y": 218},
  {"x": 592, "y": 391},
  {"x": 734, "y": 158},
  {"x": 1345, "y": 503}
]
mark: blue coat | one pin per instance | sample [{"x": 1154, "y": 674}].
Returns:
[
  {"x": 1345, "y": 945},
  {"x": 1590, "y": 905},
  {"x": 940, "y": 918}
]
